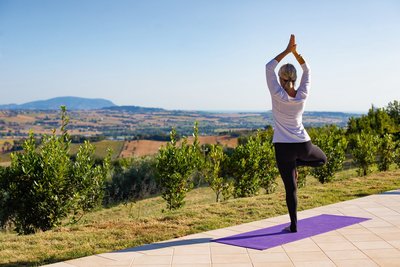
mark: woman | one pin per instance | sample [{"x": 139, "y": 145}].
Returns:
[{"x": 292, "y": 143}]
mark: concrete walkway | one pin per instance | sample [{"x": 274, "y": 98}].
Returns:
[{"x": 375, "y": 242}]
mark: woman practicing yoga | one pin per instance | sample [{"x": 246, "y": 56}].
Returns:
[{"x": 292, "y": 143}]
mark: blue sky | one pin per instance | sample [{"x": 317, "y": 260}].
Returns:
[{"x": 199, "y": 55}]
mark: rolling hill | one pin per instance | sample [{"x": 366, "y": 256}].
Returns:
[{"x": 71, "y": 102}]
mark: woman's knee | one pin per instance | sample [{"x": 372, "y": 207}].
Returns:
[{"x": 318, "y": 153}]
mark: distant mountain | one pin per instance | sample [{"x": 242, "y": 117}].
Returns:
[
  {"x": 71, "y": 102},
  {"x": 134, "y": 109}
]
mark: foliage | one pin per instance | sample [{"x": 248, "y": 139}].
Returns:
[
  {"x": 333, "y": 142},
  {"x": 214, "y": 178},
  {"x": 43, "y": 185},
  {"x": 377, "y": 121},
  {"x": 198, "y": 158},
  {"x": 386, "y": 152},
  {"x": 87, "y": 180},
  {"x": 131, "y": 179},
  {"x": 228, "y": 189},
  {"x": 364, "y": 151},
  {"x": 397, "y": 154},
  {"x": 100, "y": 231},
  {"x": 393, "y": 109},
  {"x": 175, "y": 166},
  {"x": 269, "y": 169},
  {"x": 303, "y": 172},
  {"x": 253, "y": 165}
]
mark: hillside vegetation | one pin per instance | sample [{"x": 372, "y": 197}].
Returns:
[
  {"x": 186, "y": 187},
  {"x": 142, "y": 222}
]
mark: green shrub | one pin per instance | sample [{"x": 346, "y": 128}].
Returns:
[
  {"x": 43, "y": 185},
  {"x": 386, "y": 152},
  {"x": 175, "y": 167},
  {"x": 253, "y": 166},
  {"x": 364, "y": 151},
  {"x": 333, "y": 142},
  {"x": 228, "y": 189},
  {"x": 378, "y": 121},
  {"x": 132, "y": 179},
  {"x": 214, "y": 178}
]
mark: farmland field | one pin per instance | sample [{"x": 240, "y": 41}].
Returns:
[
  {"x": 101, "y": 148},
  {"x": 129, "y": 132},
  {"x": 125, "y": 124}
]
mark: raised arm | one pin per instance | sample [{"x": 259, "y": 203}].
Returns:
[
  {"x": 272, "y": 80},
  {"x": 289, "y": 49},
  {"x": 298, "y": 57},
  {"x": 304, "y": 87}
]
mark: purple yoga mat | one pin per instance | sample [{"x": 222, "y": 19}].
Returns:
[{"x": 276, "y": 236}]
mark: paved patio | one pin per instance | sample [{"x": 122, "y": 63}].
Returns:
[{"x": 375, "y": 242}]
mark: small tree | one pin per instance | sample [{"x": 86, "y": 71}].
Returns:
[
  {"x": 213, "y": 176},
  {"x": 43, "y": 185},
  {"x": 228, "y": 189},
  {"x": 387, "y": 152},
  {"x": 253, "y": 166},
  {"x": 269, "y": 170},
  {"x": 393, "y": 109},
  {"x": 333, "y": 142},
  {"x": 377, "y": 121},
  {"x": 175, "y": 166},
  {"x": 364, "y": 151},
  {"x": 198, "y": 158}
]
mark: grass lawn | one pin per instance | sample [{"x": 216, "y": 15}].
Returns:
[{"x": 142, "y": 222}]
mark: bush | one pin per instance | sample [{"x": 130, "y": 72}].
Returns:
[
  {"x": 378, "y": 121},
  {"x": 269, "y": 170},
  {"x": 393, "y": 109},
  {"x": 132, "y": 179},
  {"x": 333, "y": 142},
  {"x": 386, "y": 152},
  {"x": 215, "y": 159},
  {"x": 43, "y": 185},
  {"x": 364, "y": 151},
  {"x": 397, "y": 155},
  {"x": 175, "y": 166},
  {"x": 253, "y": 165}
]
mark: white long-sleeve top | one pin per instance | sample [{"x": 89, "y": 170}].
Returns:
[{"x": 288, "y": 111}]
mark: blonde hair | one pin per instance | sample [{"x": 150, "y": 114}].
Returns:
[{"x": 288, "y": 72}]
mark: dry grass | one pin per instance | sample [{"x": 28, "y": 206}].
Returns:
[
  {"x": 223, "y": 140},
  {"x": 144, "y": 222},
  {"x": 140, "y": 148}
]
